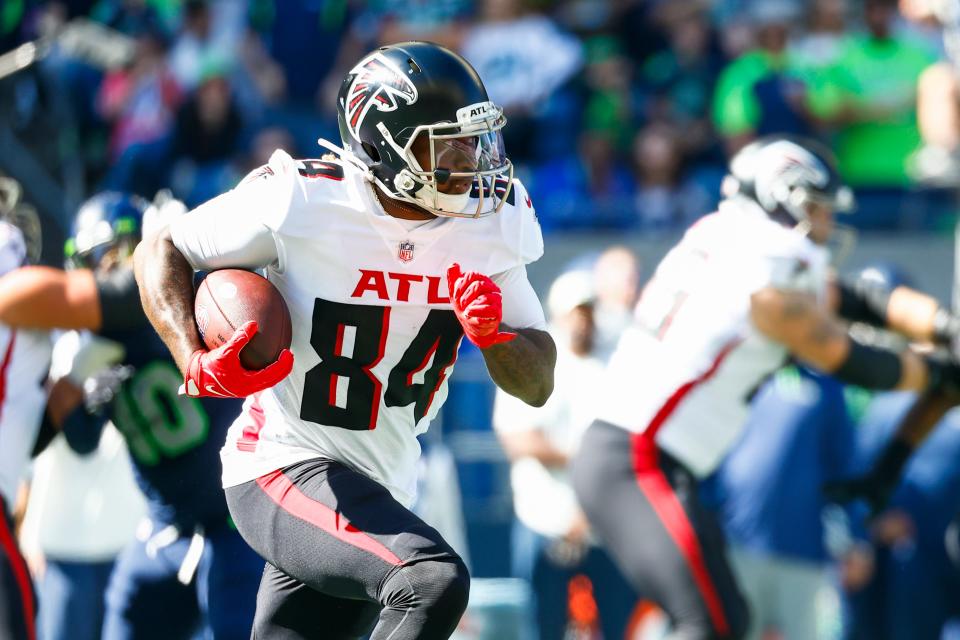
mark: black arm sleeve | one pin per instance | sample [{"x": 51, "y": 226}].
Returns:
[
  {"x": 864, "y": 301},
  {"x": 120, "y": 301},
  {"x": 870, "y": 367}
]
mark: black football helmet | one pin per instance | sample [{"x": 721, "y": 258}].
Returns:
[
  {"x": 421, "y": 92},
  {"x": 785, "y": 175}
]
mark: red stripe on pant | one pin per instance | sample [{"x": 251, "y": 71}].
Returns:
[
  {"x": 665, "y": 503},
  {"x": 20, "y": 573},
  {"x": 288, "y": 497}
]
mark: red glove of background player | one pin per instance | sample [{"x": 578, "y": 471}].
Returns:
[
  {"x": 477, "y": 301},
  {"x": 219, "y": 374}
]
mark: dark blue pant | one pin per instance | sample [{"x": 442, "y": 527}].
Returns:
[
  {"x": 550, "y": 578},
  {"x": 912, "y": 595},
  {"x": 72, "y": 594},
  {"x": 145, "y": 600}
]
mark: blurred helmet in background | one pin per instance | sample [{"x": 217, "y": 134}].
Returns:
[{"x": 109, "y": 223}]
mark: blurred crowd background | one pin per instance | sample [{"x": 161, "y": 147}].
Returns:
[
  {"x": 622, "y": 112},
  {"x": 622, "y": 115}
]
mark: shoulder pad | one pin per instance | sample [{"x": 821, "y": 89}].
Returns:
[
  {"x": 300, "y": 185},
  {"x": 519, "y": 239}
]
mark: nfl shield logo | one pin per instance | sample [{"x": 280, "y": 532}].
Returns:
[{"x": 405, "y": 252}]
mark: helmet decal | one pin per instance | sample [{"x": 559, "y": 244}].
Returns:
[
  {"x": 376, "y": 82},
  {"x": 783, "y": 166}
]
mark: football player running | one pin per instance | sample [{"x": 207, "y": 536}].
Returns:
[
  {"x": 745, "y": 289},
  {"x": 413, "y": 236},
  {"x": 188, "y": 571}
]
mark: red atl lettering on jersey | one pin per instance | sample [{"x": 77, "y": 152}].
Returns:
[{"x": 371, "y": 281}]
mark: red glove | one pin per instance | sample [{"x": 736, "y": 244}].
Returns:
[
  {"x": 219, "y": 374},
  {"x": 477, "y": 301}
]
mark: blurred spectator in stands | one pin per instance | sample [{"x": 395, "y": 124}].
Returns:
[
  {"x": 798, "y": 436},
  {"x": 616, "y": 281},
  {"x": 869, "y": 95},
  {"x": 665, "y": 197},
  {"x": 305, "y": 42},
  {"x": 11, "y": 22},
  {"x": 591, "y": 188},
  {"x": 82, "y": 511},
  {"x": 440, "y": 21},
  {"x": 916, "y": 589},
  {"x": 209, "y": 34},
  {"x": 938, "y": 98},
  {"x": 139, "y": 101},
  {"x": 134, "y": 17},
  {"x": 195, "y": 158},
  {"x": 680, "y": 80},
  {"x": 551, "y": 539},
  {"x": 523, "y": 58},
  {"x": 761, "y": 92},
  {"x": 610, "y": 107},
  {"x": 206, "y": 138},
  {"x": 821, "y": 41}
]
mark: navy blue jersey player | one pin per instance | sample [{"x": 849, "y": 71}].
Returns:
[{"x": 188, "y": 569}]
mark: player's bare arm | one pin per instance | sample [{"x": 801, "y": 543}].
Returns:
[
  {"x": 813, "y": 334},
  {"x": 902, "y": 309},
  {"x": 524, "y": 366},
  {"x": 35, "y": 297},
  {"x": 165, "y": 279}
]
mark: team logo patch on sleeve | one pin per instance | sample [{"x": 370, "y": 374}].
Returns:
[
  {"x": 405, "y": 251},
  {"x": 377, "y": 82}
]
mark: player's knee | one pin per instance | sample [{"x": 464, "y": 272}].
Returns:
[{"x": 440, "y": 586}]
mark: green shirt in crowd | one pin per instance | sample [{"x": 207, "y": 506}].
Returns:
[{"x": 878, "y": 80}]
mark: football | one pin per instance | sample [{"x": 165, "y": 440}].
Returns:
[{"x": 227, "y": 299}]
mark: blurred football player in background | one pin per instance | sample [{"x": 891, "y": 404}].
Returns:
[
  {"x": 23, "y": 369},
  {"x": 188, "y": 570},
  {"x": 551, "y": 539},
  {"x": 746, "y": 288}
]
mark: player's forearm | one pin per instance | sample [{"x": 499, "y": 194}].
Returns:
[
  {"x": 523, "y": 367},
  {"x": 165, "y": 279},
  {"x": 912, "y": 313}
]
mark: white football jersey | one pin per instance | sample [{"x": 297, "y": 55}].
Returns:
[
  {"x": 24, "y": 360},
  {"x": 686, "y": 370},
  {"x": 374, "y": 335}
]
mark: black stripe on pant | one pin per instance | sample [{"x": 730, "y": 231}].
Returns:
[
  {"x": 643, "y": 505},
  {"x": 18, "y": 603},
  {"x": 344, "y": 557}
]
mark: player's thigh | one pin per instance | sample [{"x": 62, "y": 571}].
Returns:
[
  {"x": 658, "y": 535},
  {"x": 227, "y": 581},
  {"x": 287, "y": 609},
  {"x": 144, "y": 598},
  {"x": 332, "y": 528}
]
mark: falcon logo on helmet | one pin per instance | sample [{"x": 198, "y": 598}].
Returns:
[{"x": 377, "y": 83}]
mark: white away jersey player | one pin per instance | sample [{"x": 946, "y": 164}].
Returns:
[
  {"x": 24, "y": 361},
  {"x": 685, "y": 371},
  {"x": 374, "y": 334}
]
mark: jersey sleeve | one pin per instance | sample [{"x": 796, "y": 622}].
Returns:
[
  {"x": 522, "y": 228},
  {"x": 788, "y": 264},
  {"x": 521, "y": 306},
  {"x": 517, "y": 239},
  {"x": 120, "y": 305},
  {"x": 237, "y": 228}
]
